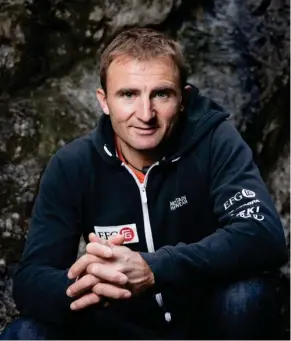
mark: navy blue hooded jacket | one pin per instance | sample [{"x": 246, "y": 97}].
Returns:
[{"x": 203, "y": 212}]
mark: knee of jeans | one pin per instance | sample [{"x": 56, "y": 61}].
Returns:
[
  {"x": 251, "y": 295},
  {"x": 24, "y": 329}
]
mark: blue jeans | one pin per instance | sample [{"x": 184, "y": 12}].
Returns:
[{"x": 242, "y": 310}]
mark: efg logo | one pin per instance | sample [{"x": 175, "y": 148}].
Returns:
[
  {"x": 128, "y": 233},
  {"x": 245, "y": 193},
  {"x": 248, "y": 194}
]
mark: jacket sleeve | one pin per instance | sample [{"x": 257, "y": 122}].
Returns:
[
  {"x": 249, "y": 236},
  {"x": 41, "y": 281}
]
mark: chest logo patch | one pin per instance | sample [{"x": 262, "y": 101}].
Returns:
[
  {"x": 178, "y": 202},
  {"x": 129, "y": 231}
]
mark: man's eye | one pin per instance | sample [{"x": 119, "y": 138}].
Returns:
[
  {"x": 128, "y": 94},
  {"x": 161, "y": 94}
]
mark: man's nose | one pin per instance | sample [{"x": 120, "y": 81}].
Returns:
[{"x": 145, "y": 111}]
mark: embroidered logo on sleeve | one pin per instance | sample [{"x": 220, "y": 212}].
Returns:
[
  {"x": 251, "y": 212},
  {"x": 129, "y": 231},
  {"x": 245, "y": 193},
  {"x": 250, "y": 209}
]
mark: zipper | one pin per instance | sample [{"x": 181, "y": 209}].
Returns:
[{"x": 147, "y": 226}]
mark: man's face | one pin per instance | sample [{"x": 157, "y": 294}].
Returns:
[{"x": 143, "y": 100}]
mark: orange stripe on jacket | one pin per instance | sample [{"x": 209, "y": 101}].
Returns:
[{"x": 140, "y": 175}]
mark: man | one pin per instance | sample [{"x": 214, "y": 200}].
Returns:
[{"x": 180, "y": 228}]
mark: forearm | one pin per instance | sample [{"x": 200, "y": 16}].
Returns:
[
  {"x": 231, "y": 251},
  {"x": 40, "y": 292}
]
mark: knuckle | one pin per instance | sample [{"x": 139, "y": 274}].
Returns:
[
  {"x": 88, "y": 280},
  {"x": 91, "y": 280},
  {"x": 97, "y": 289},
  {"x": 119, "y": 278},
  {"x": 91, "y": 268}
]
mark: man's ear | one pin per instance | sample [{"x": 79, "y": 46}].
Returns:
[
  {"x": 185, "y": 95},
  {"x": 101, "y": 97}
]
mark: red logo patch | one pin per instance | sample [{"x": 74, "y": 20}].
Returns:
[{"x": 128, "y": 233}]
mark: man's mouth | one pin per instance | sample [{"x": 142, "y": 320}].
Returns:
[{"x": 146, "y": 131}]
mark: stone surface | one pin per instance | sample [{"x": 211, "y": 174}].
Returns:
[
  {"x": 41, "y": 38},
  {"x": 237, "y": 53}
]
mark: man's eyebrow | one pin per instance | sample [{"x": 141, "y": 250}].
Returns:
[
  {"x": 122, "y": 91},
  {"x": 165, "y": 88}
]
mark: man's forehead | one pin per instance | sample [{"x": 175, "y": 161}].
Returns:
[
  {"x": 161, "y": 71},
  {"x": 156, "y": 65}
]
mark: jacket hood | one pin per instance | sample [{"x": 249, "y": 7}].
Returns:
[{"x": 201, "y": 115}]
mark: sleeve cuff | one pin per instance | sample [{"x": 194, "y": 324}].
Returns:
[{"x": 163, "y": 268}]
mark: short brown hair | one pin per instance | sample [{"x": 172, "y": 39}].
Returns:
[{"x": 142, "y": 44}]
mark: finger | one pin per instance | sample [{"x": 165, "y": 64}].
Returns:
[
  {"x": 93, "y": 238},
  {"x": 82, "y": 274},
  {"x": 80, "y": 265},
  {"x": 110, "y": 291},
  {"x": 117, "y": 240},
  {"x": 114, "y": 240},
  {"x": 85, "y": 283},
  {"x": 99, "y": 250},
  {"x": 85, "y": 301},
  {"x": 107, "y": 273}
]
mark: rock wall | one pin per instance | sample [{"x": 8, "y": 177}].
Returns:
[{"x": 237, "y": 53}]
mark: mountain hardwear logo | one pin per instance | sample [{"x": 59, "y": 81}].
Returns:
[{"x": 178, "y": 202}]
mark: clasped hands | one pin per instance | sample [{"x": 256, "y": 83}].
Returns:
[{"x": 110, "y": 270}]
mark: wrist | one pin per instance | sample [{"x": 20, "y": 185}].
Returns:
[
  {"x": 149, "y": 275},
  {"x": 151, "y": 278}
]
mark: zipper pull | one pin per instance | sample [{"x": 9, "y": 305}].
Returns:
[
  {"x": 144, "y": 195},
  {"x": 168, "y": 317}
]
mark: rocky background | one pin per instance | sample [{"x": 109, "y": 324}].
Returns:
[{"x": 237, "y": 53}]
